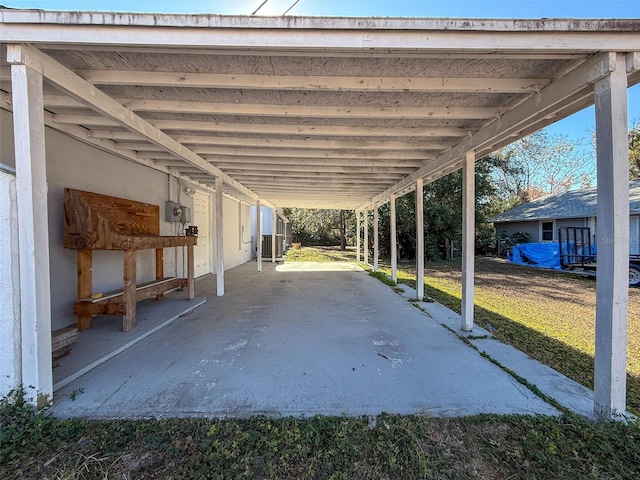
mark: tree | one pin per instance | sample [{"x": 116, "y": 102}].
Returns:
[
  {"x": 634, "y": 152},
  {"x": 542, "y": 164},
  {"x": 443, "y": 214},
  {"x": 319, "y": 226}
]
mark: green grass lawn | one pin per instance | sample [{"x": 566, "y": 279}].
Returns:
[
  {"x": 391, "y": 447},
  {"x": 320, "y": 254}
]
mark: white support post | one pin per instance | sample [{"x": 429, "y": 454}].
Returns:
[
  {"x": 240, "y": 226},
  {"x": 376, "y": 246},
  {"x": 358, "y": 228},
  {"x": 468, "y": 239},
  {"x": 394, "y": 239},
  {"x": 365, "y": 219},
  {"x": 259, "y": 235},
  {"x": 33, "y": 231},
  {"x": 612, "y": 289},
  {"x": 219, "y": 236},
  {"x": 274, "y": 224},
  {"x": 419, "y": 238}
]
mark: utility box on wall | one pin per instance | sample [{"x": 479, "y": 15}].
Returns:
[
  {"x": 174, "y": 212},
  {"x": 186, "y": 215}
]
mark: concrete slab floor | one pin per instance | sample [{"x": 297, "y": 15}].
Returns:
[{"x": 298, "y": 340}]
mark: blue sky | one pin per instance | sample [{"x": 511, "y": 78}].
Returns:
[{"x": 576, "y": 127}]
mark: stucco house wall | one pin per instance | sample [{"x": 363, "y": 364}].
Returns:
[{"x": 71, "y": 163}]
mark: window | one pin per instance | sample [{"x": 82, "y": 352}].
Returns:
[{"x": 547, "y": 231}]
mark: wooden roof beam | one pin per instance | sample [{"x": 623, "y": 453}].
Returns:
[
  {"x": 85, "y": 93},
  {"x": 268, "y": 128},
  {"x": 313, "y": 82},
  {"x": 554, "y": 98},
  {"x": 277, "y": 110}
]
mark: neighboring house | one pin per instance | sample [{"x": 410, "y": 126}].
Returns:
[{"x": 541, "y": 218}]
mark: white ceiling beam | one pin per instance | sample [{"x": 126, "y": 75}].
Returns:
[
  {"x": 210, "y": 153},
  {"x": 312, "y": 82},
  {"x": 85, "y": 120},
  {"x": 334, "y": 193},
  {"x": 277, "y": 129},
  {"x": 249, "y": 162},
  {"x": 233, "y": 169},
  {"x": 310, "y": 144},
  {"x": 275, "y": 110},
  {"x": 318, "y": 179},
  {"x": 81, "y": 91},
  {"x": 106, "y": 145},
  {"x": 550, "y": 100},
  {"x": 277, "y": 142},
  {"x": 310, "y": 130}
]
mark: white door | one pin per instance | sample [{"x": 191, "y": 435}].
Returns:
[{"x": 201, "y": 219}]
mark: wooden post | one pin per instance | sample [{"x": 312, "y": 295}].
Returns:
[
  {"x": 85, "y": 283},
  {"x": 159, "y": 268},
  {"x": 468, "y": 239},
  {"x": 33, "y": 227},
  {"x": 219, "y": 237},
  {"x": 358, "y": 229},
  {"x": 129, "y": 290},
  {"x": 612, "y": 290},
  {"x": 376, "y": 246},
  {"x": 191, "y": 282},
  {"x": 394, "y": 239},
  {"x": 419, "y": 239}
]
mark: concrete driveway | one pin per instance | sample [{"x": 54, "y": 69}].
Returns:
[{"x": 298, "y": 339}]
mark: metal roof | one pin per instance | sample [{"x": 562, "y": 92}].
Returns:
[
  {"x": 303, "y": 111},
  {"x": 572, "y": 204}
]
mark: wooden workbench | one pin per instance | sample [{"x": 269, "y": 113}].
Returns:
[{"x": 100, "y": 222}]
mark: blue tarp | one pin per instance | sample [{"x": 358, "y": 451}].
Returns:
[{"x": 547, "y": 255}]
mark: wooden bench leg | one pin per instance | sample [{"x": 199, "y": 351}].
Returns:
[
  {"x": 129, "y": 292},
  {"x": 85, "y": 284},
  {"x": 159, "y": 268},
  {"x": 191, "y": 284}
]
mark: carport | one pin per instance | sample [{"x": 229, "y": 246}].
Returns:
[{"x": 319, "y": 113}]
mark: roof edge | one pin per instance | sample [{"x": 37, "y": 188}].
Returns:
[{"x": 51, "y": 17}]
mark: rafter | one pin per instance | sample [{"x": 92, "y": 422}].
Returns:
[
  {"x": 555, "y": 98},
  {"x": 266, "y": 128},
  {"x": 288, "y": 177},
  {"x": 301, "y": 154},
  {"x": 124, "y": 136},
  {"x": 233, "y": 169},
  {"x": 245, "y": 142},
  {"x": 285, "y": 162},
  {"x": 275, "y": 110},
  {"x": 81, "y": 91},
  {"x": 312, "y": 82}
]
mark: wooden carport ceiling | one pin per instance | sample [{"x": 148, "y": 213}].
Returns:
[{"x": 300, "y": 113}]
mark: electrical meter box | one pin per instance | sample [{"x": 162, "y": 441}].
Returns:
[
  {"x": 186, "y": 215},
  {"x": 172, "y": 212}
]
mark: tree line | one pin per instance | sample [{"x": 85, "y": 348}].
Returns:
[{"x": 537, "y": 165}]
